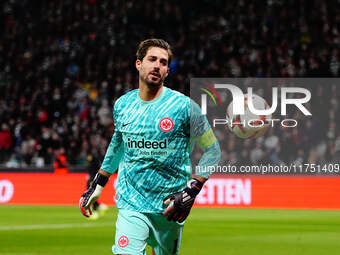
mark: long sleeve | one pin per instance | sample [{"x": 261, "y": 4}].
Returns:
[
  {"x": 202, "y": 134},
  {"x": 113, "y": 154},
  {"x": 115, "y": 150}
]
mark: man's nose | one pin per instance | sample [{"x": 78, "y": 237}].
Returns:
[{"x": 157, "y": 65}]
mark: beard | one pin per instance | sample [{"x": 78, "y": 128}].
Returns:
[{"x": 153, "y": 84}]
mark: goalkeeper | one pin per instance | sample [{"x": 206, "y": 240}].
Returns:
[{"x": 155, "y": 129}]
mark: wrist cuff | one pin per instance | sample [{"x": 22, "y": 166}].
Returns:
[{"x": 100, "y": 179}]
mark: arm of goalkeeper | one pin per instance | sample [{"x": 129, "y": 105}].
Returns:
[
  {"x": 92, "y": 194},
  {"x": 180, "y": 203}
]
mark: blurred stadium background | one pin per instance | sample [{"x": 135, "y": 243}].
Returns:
[{"x": 62, "y": 65}]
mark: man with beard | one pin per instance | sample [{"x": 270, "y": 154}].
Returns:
[{"x": 155, "y": 128}]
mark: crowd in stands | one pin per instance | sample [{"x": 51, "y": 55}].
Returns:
[{"x": 64, "y": 63}]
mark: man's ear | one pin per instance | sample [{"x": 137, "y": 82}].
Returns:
[
  {"x": 167, "y": 72},
  {"x": 138, "y": 64}
]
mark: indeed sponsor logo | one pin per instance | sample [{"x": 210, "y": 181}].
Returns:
[{"x": 146, "y": 144}]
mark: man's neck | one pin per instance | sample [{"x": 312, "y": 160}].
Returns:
[{"x": 148, "y": 93}]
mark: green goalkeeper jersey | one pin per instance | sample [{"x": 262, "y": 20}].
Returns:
[{"x": 151, "y": 148}]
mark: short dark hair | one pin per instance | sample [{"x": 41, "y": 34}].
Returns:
[{"x": 146, "y": 44}]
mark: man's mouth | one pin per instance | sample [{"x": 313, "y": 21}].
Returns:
[{"x": 158, "y": 75}]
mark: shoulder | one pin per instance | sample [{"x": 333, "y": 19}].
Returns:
[
  {"x": 125, "y": 99},
  {"x": 177, "y": 97}
]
